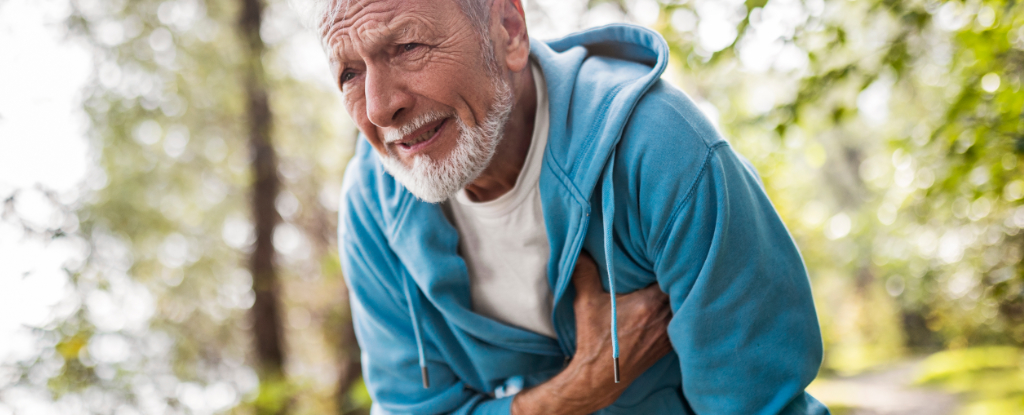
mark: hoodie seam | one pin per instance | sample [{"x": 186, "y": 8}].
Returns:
[
  {"x": 662, "y": 240},
  {"x": 403, "y": 212},
  {"x": 609, "y": 98},
  {"x": 559, "y": 172}
]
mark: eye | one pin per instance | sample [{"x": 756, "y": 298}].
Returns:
[
  {"x": 346, "y": 75},
  {"x": 408, "y": 47}
]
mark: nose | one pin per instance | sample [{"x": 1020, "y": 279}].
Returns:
[{"x": 386, "y": 97}]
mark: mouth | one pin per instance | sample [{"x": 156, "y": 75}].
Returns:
[{"x": 422, "y": 137}]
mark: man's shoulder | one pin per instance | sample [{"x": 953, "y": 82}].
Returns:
[
  {"x": 665, "y": 151},
  {"x": 667, "y": 137},
  {"x": 666, "y": 117},
  {"x": 360, "y": 176},
  {"x": 368, "y": 193}
]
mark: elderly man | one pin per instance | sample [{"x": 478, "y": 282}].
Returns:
[{"x": 494, "y": 169}]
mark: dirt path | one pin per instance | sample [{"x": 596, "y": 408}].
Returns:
[{"x": 884, "y": 392}]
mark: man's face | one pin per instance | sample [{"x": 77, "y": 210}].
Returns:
[{"x": 414, "y": 77}]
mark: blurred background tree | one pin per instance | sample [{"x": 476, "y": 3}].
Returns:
[
  {"x": 888, "y": 134},
  {"x": 209, "y": 227}
]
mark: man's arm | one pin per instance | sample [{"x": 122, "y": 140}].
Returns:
[
  {"x": 744, "y": 323},
  {"x": 587, "y": 383},
  {"x": 391, "y": 370}
]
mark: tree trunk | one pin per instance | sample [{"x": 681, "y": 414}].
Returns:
[
  {"x": 265, "y": 312},
  {"x": 350, "y": 369}
]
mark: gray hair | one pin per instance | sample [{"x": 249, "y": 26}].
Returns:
[{"x": 317, "y": 15}]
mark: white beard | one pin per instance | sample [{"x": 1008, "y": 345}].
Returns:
[{"x": 435, "y": 181}]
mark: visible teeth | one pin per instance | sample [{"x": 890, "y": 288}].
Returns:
[{"x": 424, "y": 137}]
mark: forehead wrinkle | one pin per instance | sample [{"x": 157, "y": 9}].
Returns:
[
  {"x": 384, "y": 27},
  {"x": 417, "y": 24},
  {"x": 371, "y": 33}
]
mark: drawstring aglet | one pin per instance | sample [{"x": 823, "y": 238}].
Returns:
[
  {"x": 616, "y": 360},
  {"x": 426, "y": 377}
]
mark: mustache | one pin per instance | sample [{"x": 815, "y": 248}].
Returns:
[{"x": 424, "y": 119}]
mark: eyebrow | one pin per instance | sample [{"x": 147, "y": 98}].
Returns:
[{"x": 383, "y": 35}]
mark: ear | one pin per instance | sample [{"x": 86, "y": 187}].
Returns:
[{"x": 516, "y": 39}]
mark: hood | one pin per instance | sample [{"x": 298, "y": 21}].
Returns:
[{"x": 595, "y": 78}]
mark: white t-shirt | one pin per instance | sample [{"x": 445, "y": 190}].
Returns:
[{"x": 504, "y": 241}]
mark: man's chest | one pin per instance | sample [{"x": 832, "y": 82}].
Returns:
[{"x": 507, "y": 254}]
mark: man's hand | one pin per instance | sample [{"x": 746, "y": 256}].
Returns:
[
  {"x": 643, "y": 332},
  {"x": 588, "y": 383}
]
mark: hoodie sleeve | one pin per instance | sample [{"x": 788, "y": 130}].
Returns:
[
  {"x": 384, "y": 329},
  {"x": 744, "y": 323}
]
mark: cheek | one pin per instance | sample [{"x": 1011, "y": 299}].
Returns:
[
  {"x": 355, "y": 105},
  {"x": 466, "y": 90}
]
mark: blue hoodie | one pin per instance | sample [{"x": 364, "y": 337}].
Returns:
[{"x": 634, "y": 174}]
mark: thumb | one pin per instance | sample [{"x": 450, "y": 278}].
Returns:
[{"x": 585, "y": 277}]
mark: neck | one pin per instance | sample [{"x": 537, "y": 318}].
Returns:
[{"x": 501, "y": 174}]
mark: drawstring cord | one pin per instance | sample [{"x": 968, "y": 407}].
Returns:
[
  {"x": 608, "y": 214},
  {"x": 416, "y": 332}
]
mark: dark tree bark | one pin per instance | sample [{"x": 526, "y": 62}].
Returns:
[
  {"x": 350, "y": 369},
  {"x": 266, "y": 311},
  {"x": 319, "y": 223}
]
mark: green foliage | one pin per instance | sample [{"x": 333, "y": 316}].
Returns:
[
  {"x": 274, "y": 396},
  {"x": 889, "y": 135},
  {"x": 165, "y": 290},
  {"x": 990, "y": 378},
  {"x": 358, "y": 398},
  {"x": 891, "y": 154}
]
